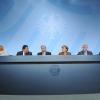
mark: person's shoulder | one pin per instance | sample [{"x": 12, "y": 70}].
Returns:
[
  {"x": 39, "y": 53},
  {"x": 19, "y": 52},
  {"x": 30, "y": 53},
  {"x": 69, "y": 53},
  {"x": 48, "y": 52},
  {"x": 80, "y": 52},
  {"x": 60, "y": 53},
  {"x": 90, "y": 52}
]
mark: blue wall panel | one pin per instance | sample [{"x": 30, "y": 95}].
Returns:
[{"x": 50, "y": 22}]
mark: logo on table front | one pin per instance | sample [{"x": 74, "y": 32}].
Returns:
[{"x": 55, "y": 70}]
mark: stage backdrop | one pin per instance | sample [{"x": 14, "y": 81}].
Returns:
[{"x": 50, "y": 22}]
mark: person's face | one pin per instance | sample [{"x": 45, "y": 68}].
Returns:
[
  {"x": 43, "y": 49},
  {"x": 85, "y": 47},
  {"x": 1, "y": 49},
  {"x": 26, "y": 50},
  {"x": 64, "y": 49}
]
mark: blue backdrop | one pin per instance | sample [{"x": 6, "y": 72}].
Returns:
[{"x": 50, "y": 22}]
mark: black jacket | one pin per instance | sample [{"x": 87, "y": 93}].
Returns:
[
  {"x": 47, "y": 53},
  {"x": 82, "y": 53},
  {"x": 21, "y": 53}
]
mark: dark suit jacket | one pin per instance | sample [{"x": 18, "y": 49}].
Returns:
[
  {"x": 47, "y": 53},
  {"x": 61, "y": 53},
  {"x": 21, "y": 53},
  {"x": 82, "y": 53}
]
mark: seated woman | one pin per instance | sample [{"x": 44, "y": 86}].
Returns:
[
  {"x": 65, "y": 51},
  {"x": 3, "y": 51}
]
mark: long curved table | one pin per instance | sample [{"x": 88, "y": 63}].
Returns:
[{"x": 49, "y": 75}]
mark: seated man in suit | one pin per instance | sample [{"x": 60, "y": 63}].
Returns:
[
  {"x": 25, "y": 51},
  {"x": 65, "y": 50},
  {"x": 3, "y": 52},
  {"x": 44, "y": 51},
  {"x": 85, "y": 50}
]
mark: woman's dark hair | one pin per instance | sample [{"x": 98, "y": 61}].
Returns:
[{"x": 64, "y": 46}]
